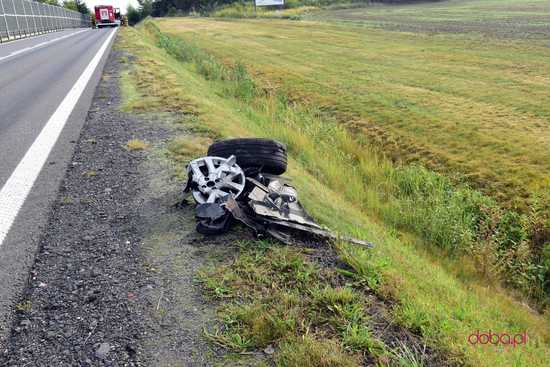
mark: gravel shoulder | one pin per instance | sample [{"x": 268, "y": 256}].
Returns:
[{"x": 113, "y": 281}]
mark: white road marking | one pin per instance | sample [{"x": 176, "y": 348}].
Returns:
[
  {"x": 19, "y": 184},
  {"x": 29, "y": 37},
  {"x": 42, "y": 44}
]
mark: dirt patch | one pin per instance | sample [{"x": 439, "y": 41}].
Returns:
[{"x": 173, "y": 252}]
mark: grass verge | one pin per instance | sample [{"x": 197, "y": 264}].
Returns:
[
  {"x": 444, "y": 308},
  {"x": 452, "y": 217},
  {"x": 275, "y": 298}
]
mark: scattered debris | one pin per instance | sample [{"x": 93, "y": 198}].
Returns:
[{"x": 261, "y": 200}]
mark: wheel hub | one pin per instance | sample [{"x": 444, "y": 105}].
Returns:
[{"x": 215, "y": 178}]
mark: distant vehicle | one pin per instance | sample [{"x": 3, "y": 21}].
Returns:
[{"x": 107, "y": 16}]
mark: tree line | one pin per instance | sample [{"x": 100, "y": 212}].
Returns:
[
  {"x": 76, "y": 5},
  {"x": 144, "y": 10},
  {"x": 161, "y": 8}
]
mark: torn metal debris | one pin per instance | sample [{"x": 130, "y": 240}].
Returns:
[{"x": 266, "y": 203}]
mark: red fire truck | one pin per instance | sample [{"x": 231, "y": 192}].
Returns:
[{"x": 107, "y": 16}]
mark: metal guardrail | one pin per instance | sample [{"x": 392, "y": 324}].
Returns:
[{"x": 24, "y": 18}]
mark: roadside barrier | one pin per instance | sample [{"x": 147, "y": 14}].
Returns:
[{"x": 25, "y": 18}]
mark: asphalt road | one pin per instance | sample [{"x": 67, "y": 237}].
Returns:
[{"x": 36, "y": 75}]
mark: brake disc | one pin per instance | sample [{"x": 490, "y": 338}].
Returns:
[{"x": 215, "y": 178}]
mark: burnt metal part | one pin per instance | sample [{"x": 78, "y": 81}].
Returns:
[
  {"x": 272, "y": 224},
  {"x": 238, "y": 213},
  {"x": 211, "y": 179},
  {"x": 214, "y": 227}
]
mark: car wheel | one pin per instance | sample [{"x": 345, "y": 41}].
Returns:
[{"x": 269, "y": 156}]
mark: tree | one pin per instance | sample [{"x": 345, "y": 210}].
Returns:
[
  {"x": 133, "y": 15},
  {"x": 162, "y": 7},
  {"x": 71, "y": 5},
  {"x": 146, "y": 8},
  {"x": 82, "y": 7},
  {"x": 76, "y": 5},
  {"x": 136, "y": 15}
]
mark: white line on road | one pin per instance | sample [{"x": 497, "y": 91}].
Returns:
[
  {"x": 29, "y": 37},
  {"x": 42, "y": 44},
  {"x": 17, "y": 187}
]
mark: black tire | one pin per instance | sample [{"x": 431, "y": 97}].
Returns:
[
  {"x": 268, "y": 155},
  {"x": 211, "y": 228}
]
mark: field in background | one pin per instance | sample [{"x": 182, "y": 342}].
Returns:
[
  {"x": 514, "y": 19},
  {"x": 472, "y": 106},
  {"x": 458, "y": 102},
  {"x": 443, "y": 307}
]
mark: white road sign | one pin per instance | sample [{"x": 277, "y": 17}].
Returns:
[{"x": 269, "y": 2}]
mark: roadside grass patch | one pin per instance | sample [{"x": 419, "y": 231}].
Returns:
[
  {"x": 186, "y": 148},
  {"x": 137, "y": 144},
  {"x": 274, "y": 296},
  {"x": 405, "y": 356},
  {"x": 91, "y": 173},
  {"x": 24, "y": 306},
  {"x": 450, "y": 216},
  {"x": 310, "y": 352},
  {"x": 369, "y": 97},
  {"x": 458, "y": 103},
  {"x": 67, "y": 200}
]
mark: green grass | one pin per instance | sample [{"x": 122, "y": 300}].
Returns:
[
  {"x": 467, "y": 107},
  {"x": 443, "y": 304},
  {"x": 275, "y": 296},
  {"x": 454, "y": 218},
  {"x": 455, "y": 102},
  {"x": 137, "y": 144}
]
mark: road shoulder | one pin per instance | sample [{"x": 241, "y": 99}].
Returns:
[
  {"x": 20, "y": 246},
  {"x": 107, "y": 277}
]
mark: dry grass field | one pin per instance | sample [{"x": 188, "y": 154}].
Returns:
[
  {"x": 524, "y": 19},
  {"x": 460, "y": 102},
  {"x": 345, "y": 90}
]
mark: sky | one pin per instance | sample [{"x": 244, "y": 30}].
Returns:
[{"x": 122, "y": 4}]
